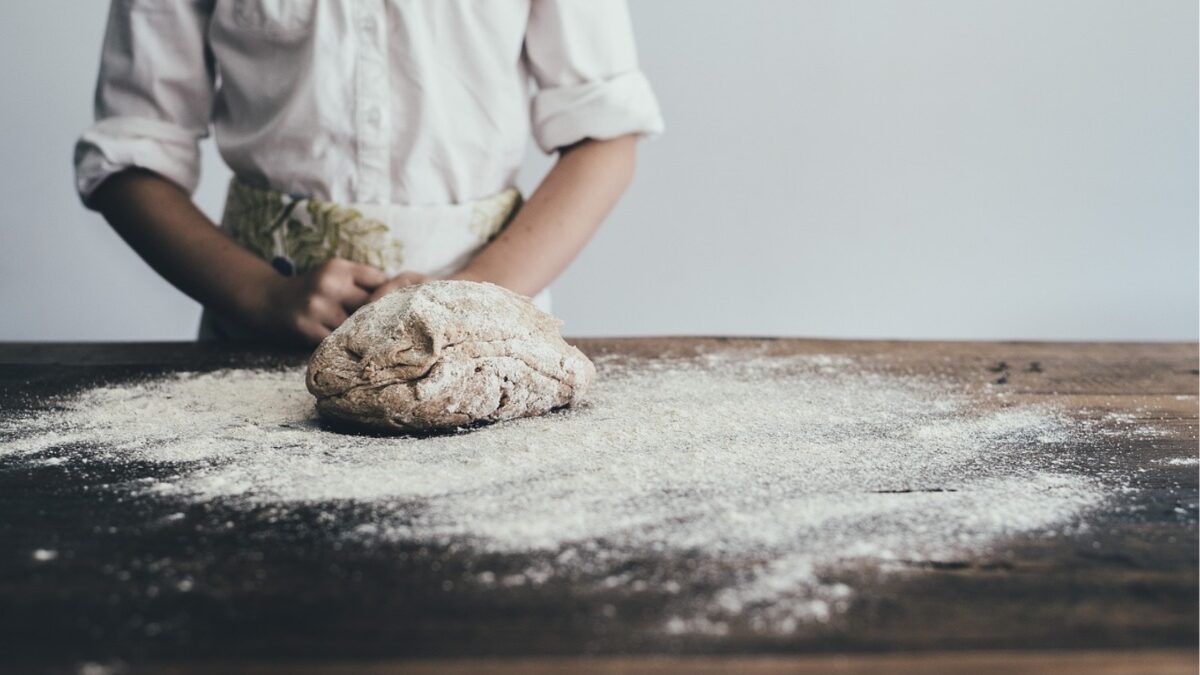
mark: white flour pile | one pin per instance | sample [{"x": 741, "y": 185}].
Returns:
[{"x": 782, "y": 469}]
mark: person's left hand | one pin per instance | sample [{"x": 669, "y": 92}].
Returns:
[{"x": 399, "y": 281}]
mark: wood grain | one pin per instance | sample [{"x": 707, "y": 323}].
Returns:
[
  {"x": 1159, "y": 662},
  {"x": 283, "y": 599}
]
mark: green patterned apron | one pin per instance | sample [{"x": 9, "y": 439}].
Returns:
[{"x": 296, "y": 234}]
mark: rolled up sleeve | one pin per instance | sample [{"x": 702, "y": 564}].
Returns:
[
  {"x": 582, "y": 56},
  {"x": 154, "y": 94}
]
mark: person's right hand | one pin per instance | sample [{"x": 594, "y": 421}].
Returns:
[{"x": 310, "y": 306}]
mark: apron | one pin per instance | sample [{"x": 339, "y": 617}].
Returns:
[{"x": 296, "y": 234}]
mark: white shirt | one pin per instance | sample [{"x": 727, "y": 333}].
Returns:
[{"x": 421, "y": 102}]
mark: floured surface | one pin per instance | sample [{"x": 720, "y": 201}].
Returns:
[{"x": 768, "y": 474}]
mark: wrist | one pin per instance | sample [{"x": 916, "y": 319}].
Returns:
[
  {"x": 507, "y": 279},
  {"x": 469, "y": 273},
  {"x": 253, "y": 295}
]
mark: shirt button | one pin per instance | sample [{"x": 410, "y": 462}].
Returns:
[
  {"x": 373, "y": 117},
  {"x": 368, "y": 25}
]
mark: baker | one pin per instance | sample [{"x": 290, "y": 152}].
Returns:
[{"x": 374, "y": 145}]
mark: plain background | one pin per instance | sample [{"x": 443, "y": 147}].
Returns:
[{"x": 913, "y": 169}]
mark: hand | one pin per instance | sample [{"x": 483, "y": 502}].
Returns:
[
  {"x": 310, "y": 306},
  {"x": 399, "y": 281},
  {"x": 466, "y": 274}
]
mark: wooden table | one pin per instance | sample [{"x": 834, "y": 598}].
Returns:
[{"x": 1121, "y": 599}]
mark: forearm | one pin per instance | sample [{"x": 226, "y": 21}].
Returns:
[
  {"x": 162, "y": 224},
  {"x": 559, "y": 218}
]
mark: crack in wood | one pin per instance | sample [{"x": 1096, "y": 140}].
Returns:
[
  {"x": 954, "y": 565},
  {"x": 910, "y": 490}
]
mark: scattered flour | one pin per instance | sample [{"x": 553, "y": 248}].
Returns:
[
  {"x": 779, "y": 469},
  {"x": 1183, "y": 461},
  {"x": 1130, "y": 425}
]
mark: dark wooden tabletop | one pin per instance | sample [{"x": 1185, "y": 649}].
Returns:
[{"x": 1120, "y": 599}]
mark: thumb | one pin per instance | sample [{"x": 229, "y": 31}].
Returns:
[
  {"x": 399, "y": 281},
  {"x": 366, "y": 277}
]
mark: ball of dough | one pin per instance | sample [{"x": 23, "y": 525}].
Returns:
[{"x": 445, "y": 354}]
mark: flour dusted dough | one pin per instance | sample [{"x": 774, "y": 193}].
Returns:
[{"x": 445, "y": 354}]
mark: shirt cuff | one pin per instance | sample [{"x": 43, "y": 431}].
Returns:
[
  {"x": 600, "y": 110},
  {"x": 115, "y": 144}
]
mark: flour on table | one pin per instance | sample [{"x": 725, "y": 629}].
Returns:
[
  {"x": 781, "y": 469},
  {"x": 1183, "y": 461}
]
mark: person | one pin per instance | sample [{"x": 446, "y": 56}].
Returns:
[{"x": 373, "y": 145}]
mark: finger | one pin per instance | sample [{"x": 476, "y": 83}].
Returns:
[
  {"x": 399, "y": 281},
  {"x": 336, "y": 280},
  {"x": 312, "y": 332},
  {"x": 324, "y": 310},
  {"x": 332, "y": 316},
  {"x": 367, "y": 277},
  {"x": 386, "y": 288},
  {"x": 352, "y": 297}
]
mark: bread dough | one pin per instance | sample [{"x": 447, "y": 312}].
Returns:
[{"x": 445, "y": 354}]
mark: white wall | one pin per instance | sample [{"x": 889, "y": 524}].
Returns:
[{"x": 924, "y": 169}]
